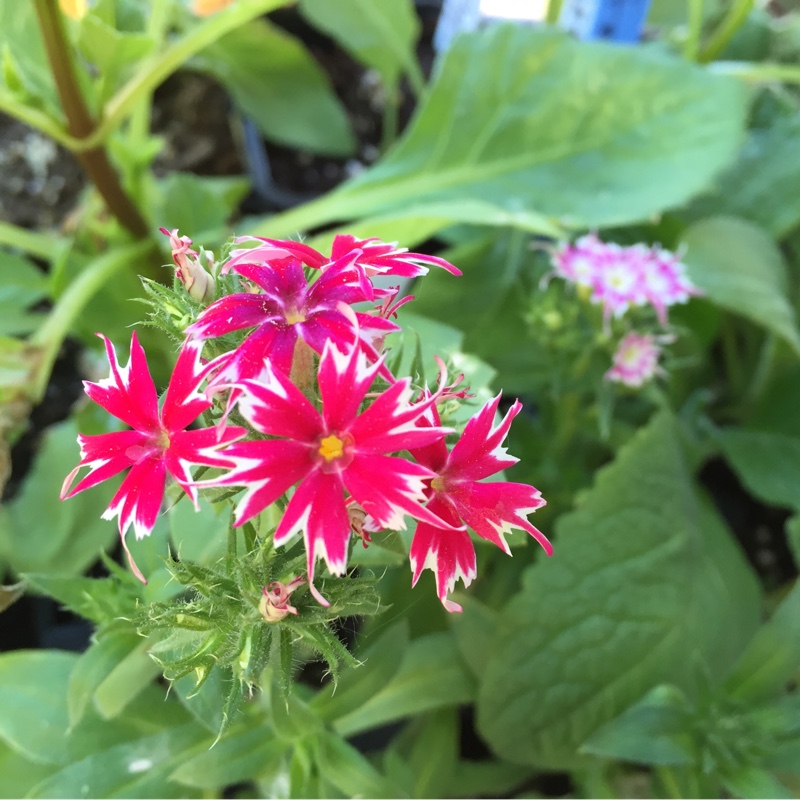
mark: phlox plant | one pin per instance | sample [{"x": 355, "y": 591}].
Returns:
[
  {"x": 334, "y": 447},
  {"x": 279, "y": 512}
]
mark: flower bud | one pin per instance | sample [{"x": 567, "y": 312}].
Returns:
[
  {"x": 198, "y": 282},
  {"x": 274, "y": 604}
]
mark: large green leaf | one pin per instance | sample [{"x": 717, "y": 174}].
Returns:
[
  {"x": 39, "y": 533},
  {"x": 768, "y": 464},
  {"x": 431, "y": 675},
  {"x": 33, "y": 689},
  {"x": 646, "y": 587},
  {"x": 531, "y": 121},
  {"x": 382, "y": 35},
  {"x": 772, "y": 658},
  {"x": 762, "y": 185},
  {"x": 274, "y": 80},
  {"x": 19, "y": 774},
  {"x": 741, "y": 269},
  {"x": 137, "y": 768}
]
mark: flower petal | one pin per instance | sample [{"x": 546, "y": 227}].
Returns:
[
  {"x": 344, "y": 378},
  {"x": 387, "y": 488},
  {"x": 317, "y": 508},
  {"x": 275, "y": 406},
  {"x": 266, "y": 468},
  {"x": 128, "y": 393},
  {"x": 183, "y": 403},
  {"x": 233, "y": 313},
  {"x": 493, "y": 509},
  {"x": 449, "y": 553},
  {"x": 479, "y": 453}
]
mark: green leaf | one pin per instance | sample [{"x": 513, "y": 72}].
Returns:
[
  {"x": 110, "y": 52},
  {"x": 741, "y": 269},
  {"x": 101, "y": 600},
  {"x": 528, "y": 120},
  {"x": 646, "y": 587},
  {"x": 768, "y": 464},
  {"x": 19, "y": 774},
  {"x": 750, "y": 781},
  {"x": 21, "y": 281},
  {"x": 22, "y": 44},
  {"x": 772, "y": 658},
  {"x": 762, "y": 185},
  {"x": 38, "y": 532},
  {"x": 379, "y": 664},
  {"x": 244, "y": 752},
  {"x": 138, "y": 768},
  {"x": 381, "y": 35},
  {"x": 474, "y": 630},
  {"x": 654, "y": 731},
  {"x": 274, "y": 80},
  {"x": 434, "y": 753},
  {"x": 93, "y": 666},
  {"x": 348, "y": 770},
  {"x": 431, "y": 675},
  {"x": 199, "y": 536},
  {"x": 199, "y": 206},
  {"x": 488, "y": 779},
  {"x": 33, "y": 686},
  {"x": 129, "y": 677}
]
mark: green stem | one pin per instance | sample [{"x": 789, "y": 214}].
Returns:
[
  {"x": 79, "y": 121},
  {"x": 389, "y": 121},
  {"x": 669, "y": 781},
  {"x": 758, "y": 73},
  {"x": 155, "y": 71},
  {"x": 554, "y": 11},
  {"x": 763, "y": 369},
  {"x": 41, "y": 245},
  {"x": 692, "y": 45},
  {"x": 68, "y": 307},
  {"x": 416, "y": 78},
  {"x": 36, "y": 119},
  {"x": 726, "y": 30},
  {"x": 732, "y": 357}
]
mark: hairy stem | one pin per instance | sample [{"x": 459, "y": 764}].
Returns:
[{"x": 80, "y": 123}]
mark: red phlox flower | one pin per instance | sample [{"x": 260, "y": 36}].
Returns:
[
  {"x": 158, "y": 443},
  {"x": 457, "y": 495},
  {"x": 287, "y": 309},
  {"x": 330, "y": 454}
]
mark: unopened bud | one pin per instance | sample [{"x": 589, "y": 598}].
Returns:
[
  {"x": 190, "y": 271},
  {"x": 274, "y": 604}
]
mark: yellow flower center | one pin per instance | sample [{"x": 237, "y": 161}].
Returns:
[
  {"x": 331, "y": 447},
  {"x": 437, "y": 484},
  {"x": 162, "y": 440},
  {"x": 295, "y": 316}
]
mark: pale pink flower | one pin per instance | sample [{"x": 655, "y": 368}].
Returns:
[
  {"x": 158, "y": 443},
  {"x": 636, "y": 359},
  {"x": 459, "y": 496},
  {"x": 623, "y": 277}
]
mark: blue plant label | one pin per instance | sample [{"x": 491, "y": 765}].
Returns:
[{"x": 617, "y": 20}]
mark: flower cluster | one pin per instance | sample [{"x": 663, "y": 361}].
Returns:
[
  {"x": 334, "y": 438},
  {"x": 620, "y": 278}
]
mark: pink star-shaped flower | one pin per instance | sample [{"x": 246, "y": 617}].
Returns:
[
  {"x": 457, "y": 495},
  {"x": 331, "y": 453},
  {"x": 288, "y": 309},
  {"x": 158, "y": 443}
]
